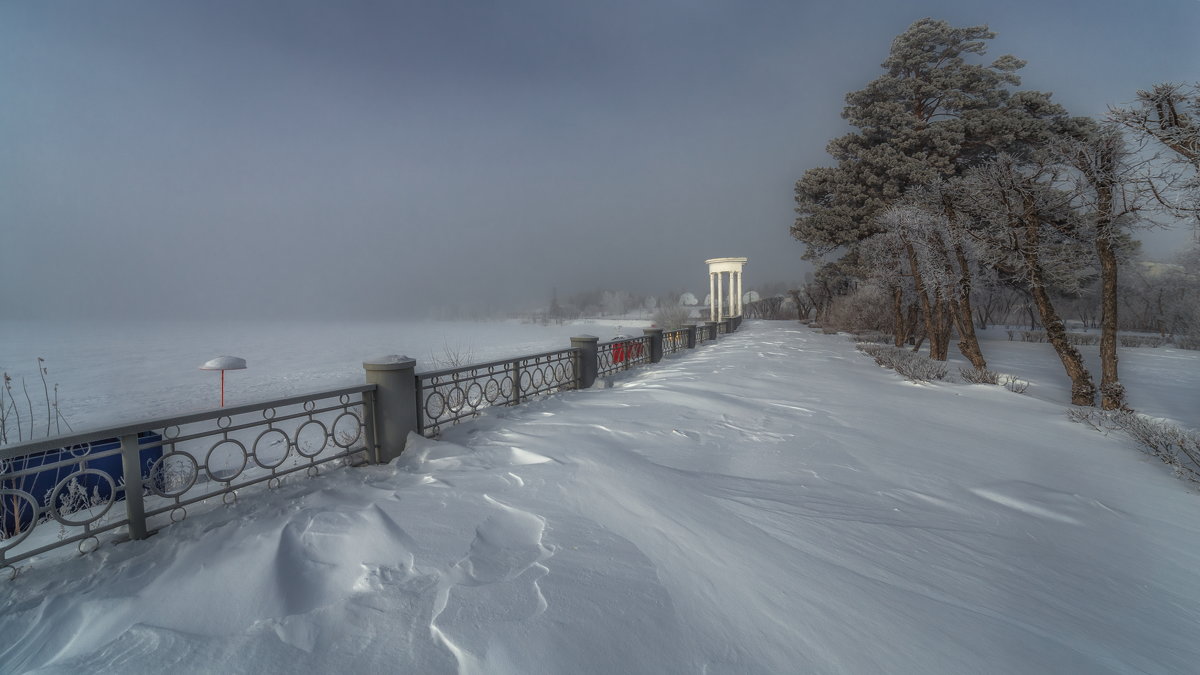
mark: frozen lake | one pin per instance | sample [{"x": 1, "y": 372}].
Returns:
[{"x": 114, "y": 372}]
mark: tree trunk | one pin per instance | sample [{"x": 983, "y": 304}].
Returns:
[
  {"x": 968, "y": 342},
  {"x": 1102, "y": 177},
  {"x": 968, "y": 346},
  {"x": 1112, "y": 393},
  {"x": 1083, "y": 389},
  {"x": 939, "y": 344},
  {"x": 923, "y": 297},
  {"x": 900, "y": 332}
]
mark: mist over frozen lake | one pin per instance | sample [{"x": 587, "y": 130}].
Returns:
[{"x": 121, "y": 371}]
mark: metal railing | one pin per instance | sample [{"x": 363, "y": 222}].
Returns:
[
  {"x": 613, "y": 357},
  {"x": 447, "y": 396},
  {"x": 70, "y": 489},
  {"x": 674, "y": 341}
]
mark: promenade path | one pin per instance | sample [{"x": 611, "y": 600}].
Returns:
[{"x": 773, "y": 503}]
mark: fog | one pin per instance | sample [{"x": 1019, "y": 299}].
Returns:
[{"x": 368, "y": 158}]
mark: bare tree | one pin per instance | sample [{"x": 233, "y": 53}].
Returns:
[
  {"x": 1170, "y": 114},
  {"x": 1110, "y": 196},
  {"x": 1027, "y": 230}
]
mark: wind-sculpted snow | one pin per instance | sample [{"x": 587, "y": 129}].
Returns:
[{"x": 774, "y": 503}]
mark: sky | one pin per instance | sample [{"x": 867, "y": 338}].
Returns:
[{"x": 367, "y": 158}]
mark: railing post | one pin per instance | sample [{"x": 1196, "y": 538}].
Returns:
[
  {"x": 135, "y": 508},
  {"x": 656, "y": 343},
  {"x": 711, "y": 327},
  {"x": 691, "y": 335},
  {"x": 368, "y": 402},
  {"x": 396, "y": 404},
  {"x": 585, "y": 372},
  {"x": 515, "y": 374}
]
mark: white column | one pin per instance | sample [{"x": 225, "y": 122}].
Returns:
[
  {"x": 737, "y": 292},
  {"x": 738, "y": 276},
  {"x": 720, "y": 296},
  {"x": 712, "y": 296}
]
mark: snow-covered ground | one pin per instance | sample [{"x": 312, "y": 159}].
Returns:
[
  {"x": 774, "y": 503},
  {"x": 1161, "y": 381},
  {"x": 116, "y": 372}
]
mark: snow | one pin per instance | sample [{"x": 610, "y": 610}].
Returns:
[
  {"x": 117, "y": 372},
  {"x": 771, "y": 503},
  {"x": 224, "y": 363}
]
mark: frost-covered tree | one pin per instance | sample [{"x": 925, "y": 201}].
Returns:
[
  {"x": 1170, "y": 114},
  {"x": 1027, "y": 229},
  {"x": 1109, "y": 196},
  {"x": 936, "y": 111},
  {"x": 883, "y": 256},
  {"x": 929, "y": 238}
]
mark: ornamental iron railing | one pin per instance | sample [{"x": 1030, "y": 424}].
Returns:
[
  {"x": 446, "y": 397},
  {"x": 674, "y": 341},
  {"x": 70, "y": 489},
  {"x": 623, "y": 354},
  {"x": 132, "y": 479}
]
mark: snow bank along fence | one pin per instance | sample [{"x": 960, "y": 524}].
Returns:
[{"x": 132, "y": 479}]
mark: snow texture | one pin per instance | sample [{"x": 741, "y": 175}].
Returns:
[{"x": 773, "y": 503}]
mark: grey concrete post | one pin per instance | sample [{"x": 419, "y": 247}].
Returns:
[
  {"x": 586, "y": 368},
  {"x": 656, "y": 343},
  {"x": 691, "y": 335},
  {"x": 396, "y": 403},
  {"x": 135, "y": 508},
  {"x": 711, "y": 327}
]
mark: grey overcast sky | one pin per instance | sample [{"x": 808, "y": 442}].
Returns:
[{"x": 312, "y": 158}]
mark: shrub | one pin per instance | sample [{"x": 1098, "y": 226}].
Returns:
[
  {"x": 866, "y": 309},
  {"x": 1177, "y": 447},
  {"x": 979, "y": 375},
  {"x": 1013, "y": 384},
  {"x": 671, "y": 317},
  {"x": 872, "y": 336},
  {"x": 1187, "y": 342},
  {"x": 1134, "y": 341},
  {"x": 915, "y": 367}
]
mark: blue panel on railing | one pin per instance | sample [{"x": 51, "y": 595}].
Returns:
[{"x": 42, "y": 483}]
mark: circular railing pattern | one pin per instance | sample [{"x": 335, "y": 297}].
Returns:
[
  {"x": 71, "y": 497},
  {"x": 173, "y": 474},
  {"x": 269, "y": 455},
  {"x": 451, "y": 395},
  {"x": 188, "y": 460},
  {"x": 12, "y": 500}
]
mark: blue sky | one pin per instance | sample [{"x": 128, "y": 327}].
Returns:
[{"x": 302, "y": 157}]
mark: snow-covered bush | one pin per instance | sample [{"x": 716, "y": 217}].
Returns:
[
  {"x": 670, "y": 317},
  {"x": 1013, "y": 384},
  {"x": 1177, "y": 447},
  {"x": 916, "y": 367},
  {"x": 1076, "y": 339},
  {"x": 868, "y": 308},
  {"x": 1188, "y": 342},
  {"x": 872, "y": 336},
  {"x": 979, "y": 375},
  {"x": 1133, "y": 341}
]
